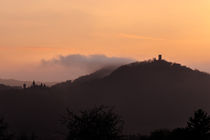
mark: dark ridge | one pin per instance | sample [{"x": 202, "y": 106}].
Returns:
[
  {"x": 155, "y": 67},
  {"x": 18, "y": 83},
  {"x": 63, "y": 84},
  {"x": 96, "y": 75},
  {"x": 5, "y": 88}
]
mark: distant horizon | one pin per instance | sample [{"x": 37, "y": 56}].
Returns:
[{"x": 55, "y": 62}]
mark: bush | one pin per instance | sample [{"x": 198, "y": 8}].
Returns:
[{"x": 99, "y": 123}]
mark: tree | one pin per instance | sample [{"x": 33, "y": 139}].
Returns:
[
  {"x": 199, "y": 125},
  {"x": 99, "y": 123},
  {"x": 160, "y": 135},
  {"x": 4, "y": 134}
]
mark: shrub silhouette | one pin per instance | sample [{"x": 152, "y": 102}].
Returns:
[
  {"x": 99, "y": 123},
  {"x": 4, "y": 133},
  {"x": 160, "y": 135},
  {"x": 199, "y": 125}
]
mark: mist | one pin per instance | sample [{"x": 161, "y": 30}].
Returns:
[{"x": 64, "y": 68}]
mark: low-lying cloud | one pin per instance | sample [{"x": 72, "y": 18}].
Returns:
[
  {"x": 63, "y": 68},
  {"x": 89, "y": 63},
  {"x": 73, "y": 66}
]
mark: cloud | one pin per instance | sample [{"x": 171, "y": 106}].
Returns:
[
  {"x": 91, "y": 62},
  {"x": 131, "y": 36},
  {"x": 62, "y": 68},
  {"x": 73, "y": 66}
]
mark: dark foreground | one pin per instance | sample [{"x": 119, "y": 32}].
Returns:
[{"x": 102, "y": 123}]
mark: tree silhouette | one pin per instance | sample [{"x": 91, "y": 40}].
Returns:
[
  {"x": 199, "y": 125},
  {"x": 160, "y": 135},
  {"x": 4, "y": 134},
  {"x": 99, "y": 123}
]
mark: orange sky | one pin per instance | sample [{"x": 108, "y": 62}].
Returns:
[{"x": 32, "y": 30}]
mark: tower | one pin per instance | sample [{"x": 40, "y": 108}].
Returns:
[{"x": 159, "y": 57}]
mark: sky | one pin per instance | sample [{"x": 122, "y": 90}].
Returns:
[{"x": 36, "y": 31}]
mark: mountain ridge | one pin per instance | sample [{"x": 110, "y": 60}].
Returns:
[{"x": 19, "y": 83}]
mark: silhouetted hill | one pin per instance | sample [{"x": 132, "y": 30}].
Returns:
[
  {"x": 4, "y": 87},
  {"x": 149, "y": 95},
  {"x": 96, "y": 75},
  {"x": 101, "y": 73},
  {"x": 63, "y": 85},
  {"x": 12, "y": 82}
]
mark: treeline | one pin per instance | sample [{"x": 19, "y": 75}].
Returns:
[
  {"x": 102, "y": 123},
  {"x": 197, "y": 128}
]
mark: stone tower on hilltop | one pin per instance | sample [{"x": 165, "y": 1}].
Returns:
[{"x": 159, "y": 57}]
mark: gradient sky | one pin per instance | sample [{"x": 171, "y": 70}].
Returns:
[{"x": 33, "y": 30}]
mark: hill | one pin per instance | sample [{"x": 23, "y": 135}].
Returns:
[
  {"x": 149, "y": 95},
  {"x": 18, "y": 83},
  {"x": 6, "y": 88},
  {"x": 101, "y": 73}
]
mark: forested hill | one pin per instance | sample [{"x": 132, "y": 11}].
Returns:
[
  {"x": 149, "y": 95},
  {"x": 18, "y": 83},
  {"x": 6, "y": 88}
]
